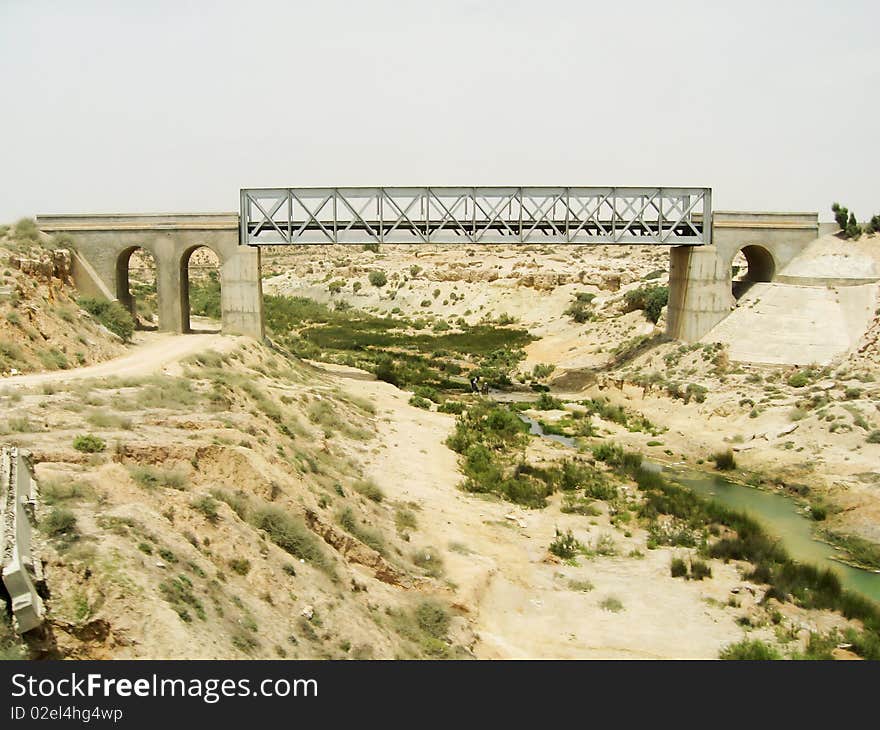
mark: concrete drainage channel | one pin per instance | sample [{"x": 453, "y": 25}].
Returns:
[{"x": 22, "y": 570}]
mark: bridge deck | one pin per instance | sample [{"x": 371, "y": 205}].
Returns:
[{"x": 578, "y": 215}]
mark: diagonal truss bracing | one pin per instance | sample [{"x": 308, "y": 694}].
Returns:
[{"x": 665, "y": 216}]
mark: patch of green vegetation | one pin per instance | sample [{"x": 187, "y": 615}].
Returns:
[
  {"x": 749, "y": 650},
  {"x": 611, "y": 604},
  {"x": 651, "y": 298},
  {"x": 204, "y": 296},
  {"x": 581, "y": 586},
  {"x": 89, "y": 444},
  {"x": 291, "y": 535},
  {"x": 724, "y": 460},
  {"x": 390, "y": 347},
  {"x": 369, "y": 489},
  {"x": 242, "y": 566},
  {"x": 59, "y": 522},
  {"x": 425, "y": 626},
  {"x": 179, "y": 592},
  {"x": 112, "y": 315},
  {"x": 370, "y": 538},
  {"x": 151, "y": 477},
  {"x": 565, "y": 545},
  {"x": 862, "y": 551},
  {"x": 207, "y": 505},
  {"x": 803, "y": 584}
]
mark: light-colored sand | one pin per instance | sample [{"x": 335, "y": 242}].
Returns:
[
  {"x": 153, "y": 352},
  {"x": 517, "y": 595}
]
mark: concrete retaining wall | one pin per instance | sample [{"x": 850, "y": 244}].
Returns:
[{"x": 21, "y": 568}]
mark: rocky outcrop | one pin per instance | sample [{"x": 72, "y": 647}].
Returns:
[
  {"x": 48, "y": 265},
  {"x": 354, "y": 551}
]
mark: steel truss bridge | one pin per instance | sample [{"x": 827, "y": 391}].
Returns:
[{"x": 487, "y": 215}]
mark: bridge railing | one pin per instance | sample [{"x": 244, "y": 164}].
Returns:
[{"x": 567, "y": 215}]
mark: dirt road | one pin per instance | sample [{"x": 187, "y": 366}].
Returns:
[{"x": 151, "y": 353}]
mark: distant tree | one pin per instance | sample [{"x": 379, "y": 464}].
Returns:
[
  {"x": 841, "y": 214},
  {"x": 853, "y": 229},
  {"x": 873, "y": 225}
]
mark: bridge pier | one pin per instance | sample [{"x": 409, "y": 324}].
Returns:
[{"x": 699, "y": 292}]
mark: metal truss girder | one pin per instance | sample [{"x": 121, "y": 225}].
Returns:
[{"x": 488, "y": 215}]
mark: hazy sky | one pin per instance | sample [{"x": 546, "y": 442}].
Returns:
[{"x": 173, "y": 106}]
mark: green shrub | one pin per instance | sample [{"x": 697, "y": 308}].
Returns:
[
  {"x": 724, "y": 460},
  {"x": 650, "y": 298},
  {"x": 841, "y": 215},
  {"x": 242, "y": 566},
  {"x": 853, "y": 229},
  {"x": 112, "y": 315},
  {"x": 750, "y": 650},
  {"x": 611, "y": 604},
  {"x": 547, "y": 402},
  {"x": 151, "y": 477},
  {"x": 678, "y": 568},
  {"x": 565, "y": 545},
  {"x": 798, "y": 379},
  {"x": 369, "y": 489},
  {"x": 208, "y": 507},
  {"x": 89, "y": 444},
  {"x": 378, "y": 278},
  {"x": 204, "y": 297},
  {"x": 291, "y": 535},
  {"x": 370, "y": 538},
  {"x": 432, "y": 618},
  {"x": 420, "y": 402},
  {"x": 59, "y": 522},
  {"x": 26, "y": 229},
  {"x": 700, "y": 570}
]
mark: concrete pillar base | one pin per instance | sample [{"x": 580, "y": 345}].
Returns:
[{"x": 699, "y": 292}]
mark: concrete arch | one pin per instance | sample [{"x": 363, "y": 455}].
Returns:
[
  {"x": 103, "y": 243},
  {"x": 183, "y": 265},
  {"x": 123, "y": 273},
  {"x": 760, "y": 266},
  {"x": 700, "y": 283}
]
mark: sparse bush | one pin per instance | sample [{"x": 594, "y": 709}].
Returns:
[
  {"x": 724, "y": 460},
  {"x": 59, "y": 522},
  {"x": 242, "y": 566},
  {"x": 749, "y": 650},
  {"x": 370, "y": 538},
  {"x": 207, "y": 505},
  {"x": 369, "y": 489},
  {"x": 581, "y": 586},
  {"x": 565, "y": 545},
  {"x": 678, "y": 568},
  {"x": 378, "y": 278},
  {"x": 700, "y": 570},
  {"x": 650, "y": 298},
  {"x": 291, "y": 534},
  {"x": 89, "y": 444},
  {"x": 112, "y": 315},
  {"x": 433, "y": 618},
  {"x": 798, "y": 379},
  {"x": 151, "y": 477},
  {"x": 611, "y": 604}
]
